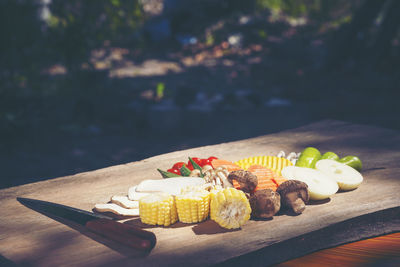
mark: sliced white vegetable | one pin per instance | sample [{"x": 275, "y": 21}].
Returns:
[
  {"x": 135, "y": 195},
  {"x": 346, "y": 177},
  {"x": 320, "y": 185},
  {"x": 124, "y": 202},
  {"x": 171, "y": 186},
  {"x": 116, "y": 209}
]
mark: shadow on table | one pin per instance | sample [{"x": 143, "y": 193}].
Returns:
[
  {"x": 210, "y": 227},
  {"x": 137, "y": 222},
  {"x": 6, "y": 262},
  {"x": 366, "y": 226}
]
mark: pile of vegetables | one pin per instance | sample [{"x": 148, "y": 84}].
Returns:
[
  {"x": 257, "y": 177},
  {"x": 229, "y": 193}
]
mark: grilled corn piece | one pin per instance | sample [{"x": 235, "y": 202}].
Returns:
[
  {"x": 229, "y": 208},
  {"x": 274, "y": 163},
  {"x": 158, "y": 209},
  {"x": 193, "y": 205}
]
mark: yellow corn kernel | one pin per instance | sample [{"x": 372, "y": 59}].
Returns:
[
  {"x": 230, "y": 208},
  {"x": 158, "y": 209},
  {"x": 274, "y": 163},
  {"x": 193, "y": 205}
]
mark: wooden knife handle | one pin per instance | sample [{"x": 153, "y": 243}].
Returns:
[{"x": 125, "y": 234}]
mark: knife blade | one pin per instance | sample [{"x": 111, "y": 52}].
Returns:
[{"x": 100, "y": 224}]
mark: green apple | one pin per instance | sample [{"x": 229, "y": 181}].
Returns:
[
  {"x": 352, "y": 161},
  {"x": 330, "y": 155},
  {"x": 308, "y": 157}
]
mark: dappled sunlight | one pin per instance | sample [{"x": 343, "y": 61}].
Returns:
[
  {"x": 56, "y": 69},
  {"x": 147, "y": 68}
]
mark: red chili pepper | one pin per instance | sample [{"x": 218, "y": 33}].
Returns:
[
  {"x": 174, "y": 171},
  {"x": 204, "y": 162},
  {"x": 197, "y": 160},
  {"x": 211, "y": 158},
  {"x": 178, "y": 165}
]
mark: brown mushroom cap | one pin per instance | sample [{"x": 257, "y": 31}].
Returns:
[
  {"x": 265, "y": 203},
  {"x": 294, "y": 195},
  {"x": 247, "y": 181}
]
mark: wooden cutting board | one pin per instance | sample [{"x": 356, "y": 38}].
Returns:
[{"x": 28, "y": 237}]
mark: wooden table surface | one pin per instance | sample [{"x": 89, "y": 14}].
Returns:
[
  {"x": 379, "y": 251},
  {"x": 30, "y": 238}
]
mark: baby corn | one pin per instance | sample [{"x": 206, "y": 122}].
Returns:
[
  {"x": 229, "y": 207},
  {"x": 158, "y": 209},
  {"x": 193, "y": 205}
]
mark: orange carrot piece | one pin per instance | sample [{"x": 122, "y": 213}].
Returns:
[
  {"x": 229, "y": 165},
  {"x": 267, "y": 185},
  {"x": 265, "y": 177},
  {"x": 261, "y": 172}
]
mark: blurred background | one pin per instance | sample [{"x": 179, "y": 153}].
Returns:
[{"x": 90, "y": 84}]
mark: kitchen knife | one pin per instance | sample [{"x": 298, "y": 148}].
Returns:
[{"x": 103, "y": 225}]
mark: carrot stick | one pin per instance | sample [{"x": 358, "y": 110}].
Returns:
[{"x": 229, "y": 165}]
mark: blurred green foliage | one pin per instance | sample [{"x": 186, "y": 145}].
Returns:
[
  {"x": 76, "y": 27},
  {"x": 101, "y": 20},
  {"x": 314, "y": 9}
]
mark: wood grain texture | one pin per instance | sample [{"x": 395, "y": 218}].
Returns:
[
  {"x": 32, "y": 238},
  {"x": 378, "y": 251}
]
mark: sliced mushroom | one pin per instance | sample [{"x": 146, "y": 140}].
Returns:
[
  {"x": 124, "y": 202},
  {"x": 135, "y": 195},
  {"x": 217, "y": 176},
  {"x": 281, "y": 154},
  {"x": 294, "y": 195},
  {"x": 116, "y": 209},
  {"x": 223, "y": 178},
  {"x": 195, "y": 173},
  {"x": 206, "y": 168},
  {"x": 265, "y": 203}
]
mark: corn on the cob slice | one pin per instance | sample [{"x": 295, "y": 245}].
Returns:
[
  {"x": 271, "y": 162},
  {"x": 158, "y": 209},
  {"x": 193, "y": 205},
  {"x": 229, "y": 207}
]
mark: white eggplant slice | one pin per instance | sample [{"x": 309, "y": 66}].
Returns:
[
  {"x": 124, "y": 202},
  {"x": 171, "y": 186},
  {"x": 347, "y": 177},
  {"x": 320, "y": 185},
  {"x": 134, "y": 195},
  {"x": 116, "y": 209}
]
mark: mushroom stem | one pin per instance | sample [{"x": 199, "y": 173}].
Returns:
[{"x": 298, "y": 206}]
